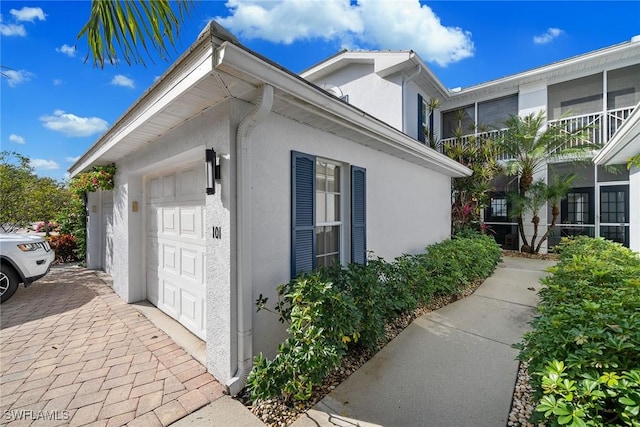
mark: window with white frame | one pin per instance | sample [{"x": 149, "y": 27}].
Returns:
[
  {"x": 328, "y": 213},
  {"x": 320, "y": 232}
]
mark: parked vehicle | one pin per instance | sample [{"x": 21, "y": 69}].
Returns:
[{"x": 23, "y": 259}]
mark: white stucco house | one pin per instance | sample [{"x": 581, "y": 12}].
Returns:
[
  {"x": 305, "y": 178},
  {"x": 600, "y": 89}
]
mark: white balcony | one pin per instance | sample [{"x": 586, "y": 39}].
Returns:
[{"x": 599, "y": 128}]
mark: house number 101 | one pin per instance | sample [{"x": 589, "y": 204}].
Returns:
[{"x": 217, "y": 232}]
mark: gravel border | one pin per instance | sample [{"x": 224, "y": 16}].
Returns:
[{"x": 277, "y": 413}]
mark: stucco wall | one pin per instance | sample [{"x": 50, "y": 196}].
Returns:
[
  {"x": 182, "y": 145},
  {"x": 408, "y": 207},
  {"x": 381, "y": 98}
]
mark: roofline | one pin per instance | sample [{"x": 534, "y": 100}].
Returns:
[
  {"x": 584, "y": 57},
  {"x": 118, "y": 125},
  {"x": 215, "y": 41},
  {"x": 232, "y": 58},
  {"x": 347, "y": 57}
]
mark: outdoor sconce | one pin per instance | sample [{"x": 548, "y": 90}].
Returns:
[{"x": 213, "y": 170}]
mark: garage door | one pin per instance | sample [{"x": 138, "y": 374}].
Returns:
[{"x": 176, "y": 245}]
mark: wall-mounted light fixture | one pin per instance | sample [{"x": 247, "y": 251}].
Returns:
[{"x": 213, "y": 170}]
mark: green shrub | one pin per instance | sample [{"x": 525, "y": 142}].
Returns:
[
  {"x": 330, "y": 310},
  {"x": 322, "y": 320},
  {"x": 587, "y": 329}
]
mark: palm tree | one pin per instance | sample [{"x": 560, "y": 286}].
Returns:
[
  {"x": 530, "y": 145},
  {"x": 538, "y": 195},
  {"x": 126, "y": 26}
]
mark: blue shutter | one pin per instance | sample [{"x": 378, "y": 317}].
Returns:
[
  {"x": 358, "y": 215},
  {"x": 420, "y": 120},
  {"x": 303, "y": 207}
]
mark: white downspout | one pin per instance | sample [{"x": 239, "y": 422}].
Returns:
[
  {"x": 244, "y": 274},
  {"x": 405, "y": 119}
]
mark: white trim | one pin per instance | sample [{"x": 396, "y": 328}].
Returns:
[
  {"x": 625, "y": 142},
  {"x": 236, "y": 61}
]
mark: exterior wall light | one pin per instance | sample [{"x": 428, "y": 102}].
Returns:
[{"x": 213, "y": 170}]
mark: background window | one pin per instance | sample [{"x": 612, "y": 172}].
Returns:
[{"x": 328, "y": 218}]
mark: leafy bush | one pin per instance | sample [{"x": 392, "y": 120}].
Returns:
[
  {"x": 330, "y": 310},
  {"x": 72, "y": 220},
  {"x": 322, "y": 320},
  {"x": 586, "y": 339},
  {"x": 65, "y": 247}
]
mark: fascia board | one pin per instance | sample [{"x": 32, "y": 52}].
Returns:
[
  {"x": 624, "y": 144},
  {"x": 186, "y": 72},
  {"x": 544, "y": 71},
  {"x": 236, "y": 61},
  {"x": 340, "y": 61}
]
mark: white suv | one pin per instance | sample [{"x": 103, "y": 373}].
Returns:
[{"x": 23, "y": 259}]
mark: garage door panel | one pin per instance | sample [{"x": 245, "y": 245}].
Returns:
[
  {"x": 169, "y": 187},
  {"x": 176, "y": 255},
  {"x": 169, "y": 220},
  {"x": 153, "y": 189},
  {"x": 188, "y": 185},
  {"x": 188, "y": 221},
  {"x": 169, "y": 259},
  {"x": 170, "y": 298},
  {"x": 189, "y": 264},
  {"x": 190, "y": 309}
]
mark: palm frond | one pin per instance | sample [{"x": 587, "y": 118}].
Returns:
[{"x": 128, "y": 30}]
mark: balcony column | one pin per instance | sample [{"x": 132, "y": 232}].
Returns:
[{"x": 604, "y": 124}]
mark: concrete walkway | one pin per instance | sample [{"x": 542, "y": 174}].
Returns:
[
  {"x": 451, "y": 367},
  {"x": 73, "y": 353}
]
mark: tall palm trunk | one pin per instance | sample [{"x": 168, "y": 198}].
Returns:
[{"x": 526, "y": 179}]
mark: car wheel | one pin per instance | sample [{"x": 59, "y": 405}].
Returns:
[{"x": 8, "y": 282}]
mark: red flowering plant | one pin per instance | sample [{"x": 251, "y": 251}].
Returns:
[{"x": 99, "y": 178}]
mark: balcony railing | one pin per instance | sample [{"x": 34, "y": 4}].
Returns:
[{"x": 598, "y": 129}]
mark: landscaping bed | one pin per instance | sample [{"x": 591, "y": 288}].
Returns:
[
  {"x": 582, "y": 359},
  {"x": 343, "y": 316}
]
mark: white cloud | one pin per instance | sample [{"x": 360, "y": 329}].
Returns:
[
  {"x": 58, "y": 82},
  {"x": 44, "y": 164},
  {"x": 72, "y": 125},
  {"x": 400, "y": 24},
  {"x": 9, "y": 30},
  {"x": 121, "y": 80},
  {"x": 70, "y": 51},
  {"x": 72, "y": 159},
  {"x": 286, "y": 21},
  {"x": 16, "y": 77},
  {"x": 548, "y": 36},
  {"x": 28, "y": 14},
  {"x": 16, "y": 139}
]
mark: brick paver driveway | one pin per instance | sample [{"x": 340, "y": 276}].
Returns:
[{"x": 72, "y": 352}]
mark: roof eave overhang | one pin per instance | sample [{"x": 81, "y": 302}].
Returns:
[
  {"x": 581, "y": 63},
  {"x": 236, "y": 61},
  {"x": 624, "y": 144},
  {"x": 190, "y": 68}
]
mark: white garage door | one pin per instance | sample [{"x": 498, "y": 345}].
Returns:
[{"x": 176, "y": 245}]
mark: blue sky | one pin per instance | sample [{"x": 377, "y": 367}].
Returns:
[{"x": 54, "y": 105}]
